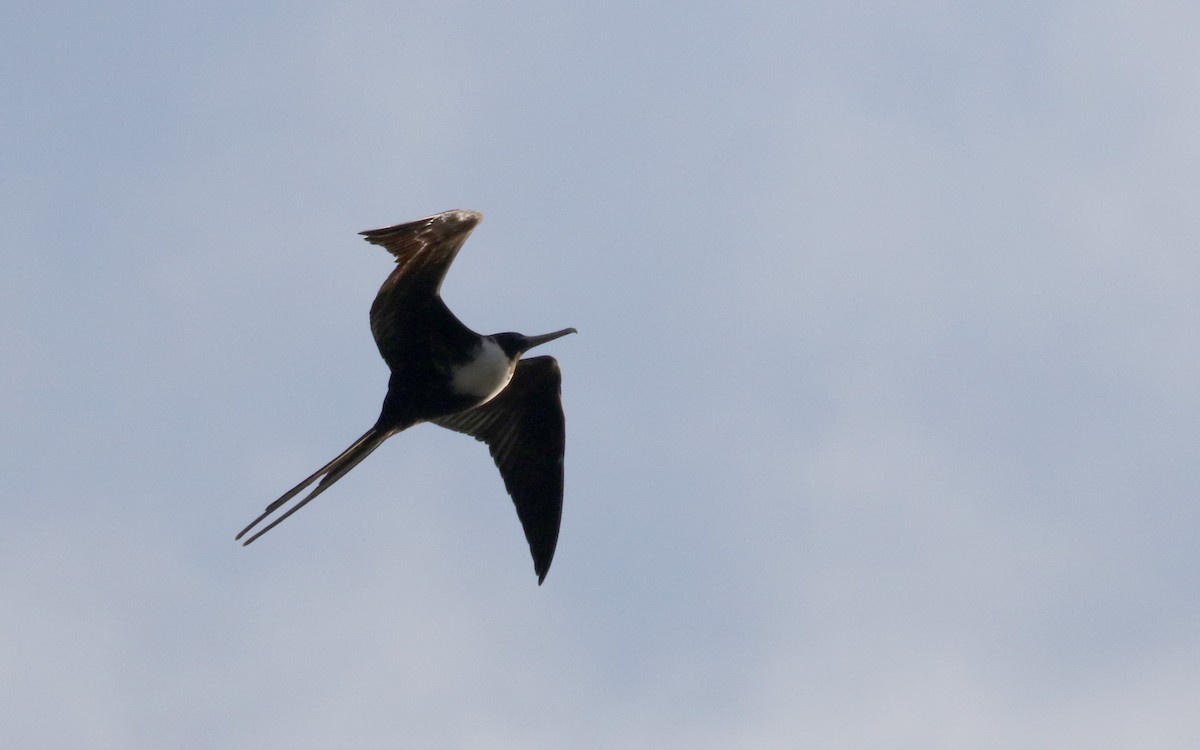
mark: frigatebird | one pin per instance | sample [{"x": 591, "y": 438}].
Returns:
[{"x": 445, "y": 373}]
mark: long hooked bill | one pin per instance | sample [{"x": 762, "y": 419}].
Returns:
[{"x": 539, "y": 340}]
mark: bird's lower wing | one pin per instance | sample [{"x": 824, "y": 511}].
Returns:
[
  {"x": 525, "y": 431},
  {"x": 331, "y": 472}
]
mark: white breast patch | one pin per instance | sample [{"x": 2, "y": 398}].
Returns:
[{"x": 486, "y": 375}]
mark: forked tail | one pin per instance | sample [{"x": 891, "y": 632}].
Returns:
[{"x": 332, "y": 471}]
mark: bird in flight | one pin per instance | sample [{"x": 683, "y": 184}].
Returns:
[{"x": 445, "y": 373}]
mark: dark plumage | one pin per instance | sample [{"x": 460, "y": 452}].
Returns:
[{"x": 445, "y": 373}]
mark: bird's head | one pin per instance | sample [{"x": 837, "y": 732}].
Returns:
[{"x": 516, "y": 344}]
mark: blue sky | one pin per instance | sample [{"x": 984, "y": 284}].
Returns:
[{"x": 882, "y": 415}]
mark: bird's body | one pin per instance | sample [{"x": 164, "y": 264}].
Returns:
[{"x": 443, "y": 372}]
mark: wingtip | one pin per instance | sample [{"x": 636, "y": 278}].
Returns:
[{"x": 456, "y": 220}]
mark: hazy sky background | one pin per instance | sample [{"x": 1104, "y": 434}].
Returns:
[{"x": 882, "y": 416}]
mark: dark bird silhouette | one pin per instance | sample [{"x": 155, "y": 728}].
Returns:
[{"x": 445, "y": 373}]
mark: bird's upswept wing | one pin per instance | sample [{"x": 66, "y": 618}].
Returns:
[
  {"x": 525, "y": 431},
  {"x": 424, "y": 250}
]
